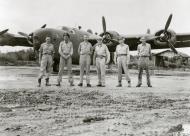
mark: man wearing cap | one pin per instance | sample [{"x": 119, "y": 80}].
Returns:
[
  {"x": 85, "y": 51},
  {"x": 101, "y": 57},
  {"x": 122, "y": 60},
  {"x": 66, "y": 52},
  {"x": 46, "y": 53},
  {"x": 144, "y": 54}
]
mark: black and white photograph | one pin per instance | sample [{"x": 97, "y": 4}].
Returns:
[{"x": 94, "y": 68}]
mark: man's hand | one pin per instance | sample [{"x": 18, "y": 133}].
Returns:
[{"x": 66, "y": 57}]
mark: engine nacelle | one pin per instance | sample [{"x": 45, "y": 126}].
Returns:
[
  {"x": 170, "y": 35},
  {"x": 108, "y": 37}
]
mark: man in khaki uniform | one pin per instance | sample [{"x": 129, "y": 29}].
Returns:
[
  {"x": 101, "y": 58},
  {"x": 66, "y": 52},
  {"x": 144, "y": 54},
  {"x": 123, "y": 58},
  {"x": 85, "y": 52},
  {"x": 46, "y": 53}
]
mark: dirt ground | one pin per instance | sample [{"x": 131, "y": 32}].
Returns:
[{"x": 26, "y": 110}]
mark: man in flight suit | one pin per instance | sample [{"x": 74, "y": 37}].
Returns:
[
  {"x": 101, "y": 58},
  {"x": 144, "y": 54},
  {"x": 85, "y": 51},
  {"x": 66, "y": 52},
  {"x": 46, "y": 53},
  {"x": 123, "y": 58}
]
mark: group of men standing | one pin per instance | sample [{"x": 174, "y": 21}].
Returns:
[{"x": 100, "y": 59}]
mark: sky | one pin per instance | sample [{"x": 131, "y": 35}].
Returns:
[{"x": 124, "y": 16}]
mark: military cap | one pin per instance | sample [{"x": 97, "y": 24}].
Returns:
[
  {"x": 143, "y": 38},
  {"x": 66, "y": 34}
]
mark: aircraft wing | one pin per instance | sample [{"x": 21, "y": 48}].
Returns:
[
  {"x": 13, "y": 40},
  {"x": 183, "y": 37},
  {"x": 21, "y": 41},
  {"x": 182, "y": 40}
]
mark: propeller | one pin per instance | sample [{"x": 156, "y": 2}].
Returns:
[
  {"x": 165, "y": 37},
  {"x": 4, "y": 31},
  {"x": 104, "y": 24},
  {"x": 172, "y": 47},
  {"x": 23, "y": 34},
  {"x": 30, "y": 36},
  {"x": 168, "y": 23},
  {"x": 107, "y": 37}
]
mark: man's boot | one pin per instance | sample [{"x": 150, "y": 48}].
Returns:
[
  {"x": 58, "y": 84},
  {"x": 119, "y": 84},
  {"x": 139, "y": 85},
  {"x": 72, "y": 84},
  {"x": 47, "y": 82},
  {"x": 129, "y": 83},
  {"x": 39, "y": 82},
  {"x": 80, "y": 84},
  {"x": 88, "y": 85}
]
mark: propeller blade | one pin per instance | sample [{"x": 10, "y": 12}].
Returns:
[
  {"x": 153, "y": 37},
  {"x": 43, "y": 26},
  {"x": 23, "y": 34},
  {"x": 104, "y": 24},
  {"x": 30, "y": 42},
  {"x": 172, "y": 47},
  {"x": 168, "y": 23},
  {"x": 114, "y": 41},
  {"x": 27, "y": 36},
  {"x": 4, "y": 31},
  {"x": 31, "y": 34}
]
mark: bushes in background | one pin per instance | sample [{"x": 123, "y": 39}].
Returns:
[{"x": 15, "y": 58}]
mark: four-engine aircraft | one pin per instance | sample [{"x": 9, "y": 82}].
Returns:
[{"x": 164, "y": 38}]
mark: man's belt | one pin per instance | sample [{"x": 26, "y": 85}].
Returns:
[
  {"x": 119, "y": 55},
  {"x": 84, "y": 53},
  {"x": 100, "y": 56},
  {"x": 144, "y": 56},
  {"x": 47, "y": 53},
  {"x": 66, "y": 53}
]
